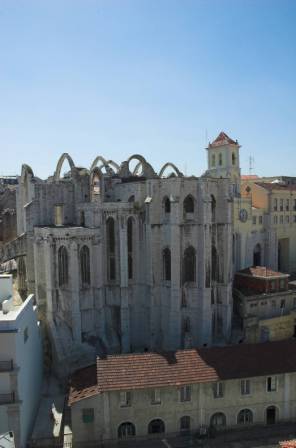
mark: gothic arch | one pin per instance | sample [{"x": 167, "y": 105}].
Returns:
[
  {"x": 171, "y": 165},
  {"x": 95, "y": 182},
  {"x": 147, "y": 170},
  {"x": 96, "y": 161},
  {"x": 65, "y": 156},
  {"x": 26, "y": 170},
  {"x": 109, "y": 165}
]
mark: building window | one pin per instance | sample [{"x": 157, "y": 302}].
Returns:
[
  {"x": 185, "y": 423},
  {"x": 215, "y": 265},
  {"x": 218, "y": 420},
  {"x": 188, "y": 205},
  {"x": 245, "y": 387},
  {"x": 213, "y": 163},
  {"x": 287, "y": 204},
  {"x": 271, "y": 383},
  {"x": 26, "y": 334},
  {"x": 233, "y": 158},
  {"x": 125, "y": 399},
  {"x": 63, "y": 266},
  {"x": 275, "y": 204},
  {"x": 218, "y": 390},
  {"x": 189, "y": 263},
  {"x": 281, "y": 205},
  {"x": 220, "y": 160},
  {"x": 257, "y": 255},
  {"x": 185, "y": 393},
  {"x": 283, "y": 304},
  {"x": 59, "y": 215},
  {"x": 166, "y": 257},
  {"x": 260, "y": 219},
  {"x": 167, "y": 205},
  {"x": 283, "y": 284},
  {"x": 126, "y": 430},
  {"x": 245, "y": 417},
  {"x": 85, "y": 266},
  {"x": 155, "y": 396},
  {"x": 281, "y": 219},
  {"x": 272, "y": 285},
  {"x": 130, "y": 247},
  {"x": 275, "y": 219},
  {"x": 287, "y": 219},
  {"x": 82, "y": 218},
  {"x": 111, "y": 248},
  {"x": 156, "y": 426},
  {"x": 131, "y": 198},
  {"x": 254, "y": 220},
  {"x": 88, "y": 415},
  {"x": 213, "y": 208}
]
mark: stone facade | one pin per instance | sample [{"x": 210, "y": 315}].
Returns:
[{"x": 123, "y": 261}]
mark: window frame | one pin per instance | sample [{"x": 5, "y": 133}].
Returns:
[{"x": 185, "y": 393}]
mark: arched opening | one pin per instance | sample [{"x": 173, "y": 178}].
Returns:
[
  {"x": 185, "y": 423},
  {"x": 156, "y": 426},
  {"x": 174, "y": 171},
  {"x": 130, "y": 247},
  {"x": 167, "y": 205},
  {"x": 213, "y": 208},
  {"x": 257, "y": 255},
  {"x": 111, "y": 248},
  {"x": 126, "y": 429},
  {"x": 136, "y": 165},
  {"x": 271, "y": 415},
  {"x": 85, "y": 266},
  {"x": 82, "y": 218},
  {"x": 60, "y": 164},
  {"x": 63, "y": 266},
  {"x": 189, "y": 263},
  {"x": 215, "y": 265},
  {"x": 218, "y": 420},
  {"x": 166, "y": 257},
  {"x": 188, "y": 205},
  {"x": 96, "y": 177},
  {"x": 220, "y": 159},
  {"x": 245, "y": 417}
]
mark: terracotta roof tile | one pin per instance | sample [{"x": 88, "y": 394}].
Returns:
[
  {"x": 260, "y": 271},
  {"x": 276, "y": 186},
  {"x": 150, "y": 370},
  {"x": 222, "y": 139},
  {"x": 249, "y": 176}
]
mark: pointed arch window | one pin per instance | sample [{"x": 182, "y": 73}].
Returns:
[
  {"x": 213, "y": 208},
  {"x": 63, "y": 270},
  {"x": 215, "y": 265},
  {"x": 130, "y": 247},
  {"x": 167, "y": 205},
  {"x": 220, "y": 159},
  {"x": 85, "y": 266},
  {"x": 111, "y": 249},
  {"x": 188, "y": 204},
  {"x": 166, "y": 257},
  {"x": 189, "y": 263}
]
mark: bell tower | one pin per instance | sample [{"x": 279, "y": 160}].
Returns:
[{"x": 223, "y": 159}]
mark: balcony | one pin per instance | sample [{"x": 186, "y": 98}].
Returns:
[
  {"x": 7, "y": 398},
  {"x": 6, "y": 366}
]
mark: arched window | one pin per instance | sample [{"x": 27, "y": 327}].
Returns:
[
  {"x": 85, "y": 266},
  {"x": 271, "y": 415},
  {"x": 126, "y": 429},
  {"x": 215, "y": 265},
  {"x": 63, "y": 266},
  {"x": 111, "y": 249},
  {"x": 156, "y": 426},
  {"x": 245, "y": 417},
  {"x": 166, "y": 256},
  {"x": 257, "y": 255},
  {"x": 213, "y": 208},
  {"x": 185, "y": 423},
  {"x": 233, "y": 158},
  {"x": 167, "y": 205},
  {"x": 130, "y": 247},
  {"x": 220, "y": 159},
  {"x": 186, "y": 325},
  {"x": 188, "y": 204},
  {"x": 213, "y": 162},
  {"x": 82, "y": 218},
  {"x": 189, "y": 264},
  {"x": 218, "y": 420}
]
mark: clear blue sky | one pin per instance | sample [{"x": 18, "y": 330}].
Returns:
[{"x": 117, "y": 77}]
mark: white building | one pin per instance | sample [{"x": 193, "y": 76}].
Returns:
[{"x": 20, "y": 363}]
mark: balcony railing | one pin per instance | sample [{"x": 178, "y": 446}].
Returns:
[
  {"x": 7, "y": 398},
  {"x": 6, "y": 366}
]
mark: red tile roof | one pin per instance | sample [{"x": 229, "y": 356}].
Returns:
[
  {"x": 249, "y": 176},
  {"x": 204, "y": 365},
  {"x": 222, "y": 139},
  {"x": 276, "y": 186},
  {"x": 260, "y": 271}
]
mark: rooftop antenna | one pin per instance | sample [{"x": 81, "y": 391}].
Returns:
[{"x": 251, "y": 164}]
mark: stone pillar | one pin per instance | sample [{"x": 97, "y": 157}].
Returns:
[
  {"x": 74, "y": 288},
  {"x": 124, "y": 307},
  {"x": 176, "y": 260}
]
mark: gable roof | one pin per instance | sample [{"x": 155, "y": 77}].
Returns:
[
  {"x": 205, "y": 365},
  {"x": 222, "y": 139},
  {"x": 270, "y": 186}
]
